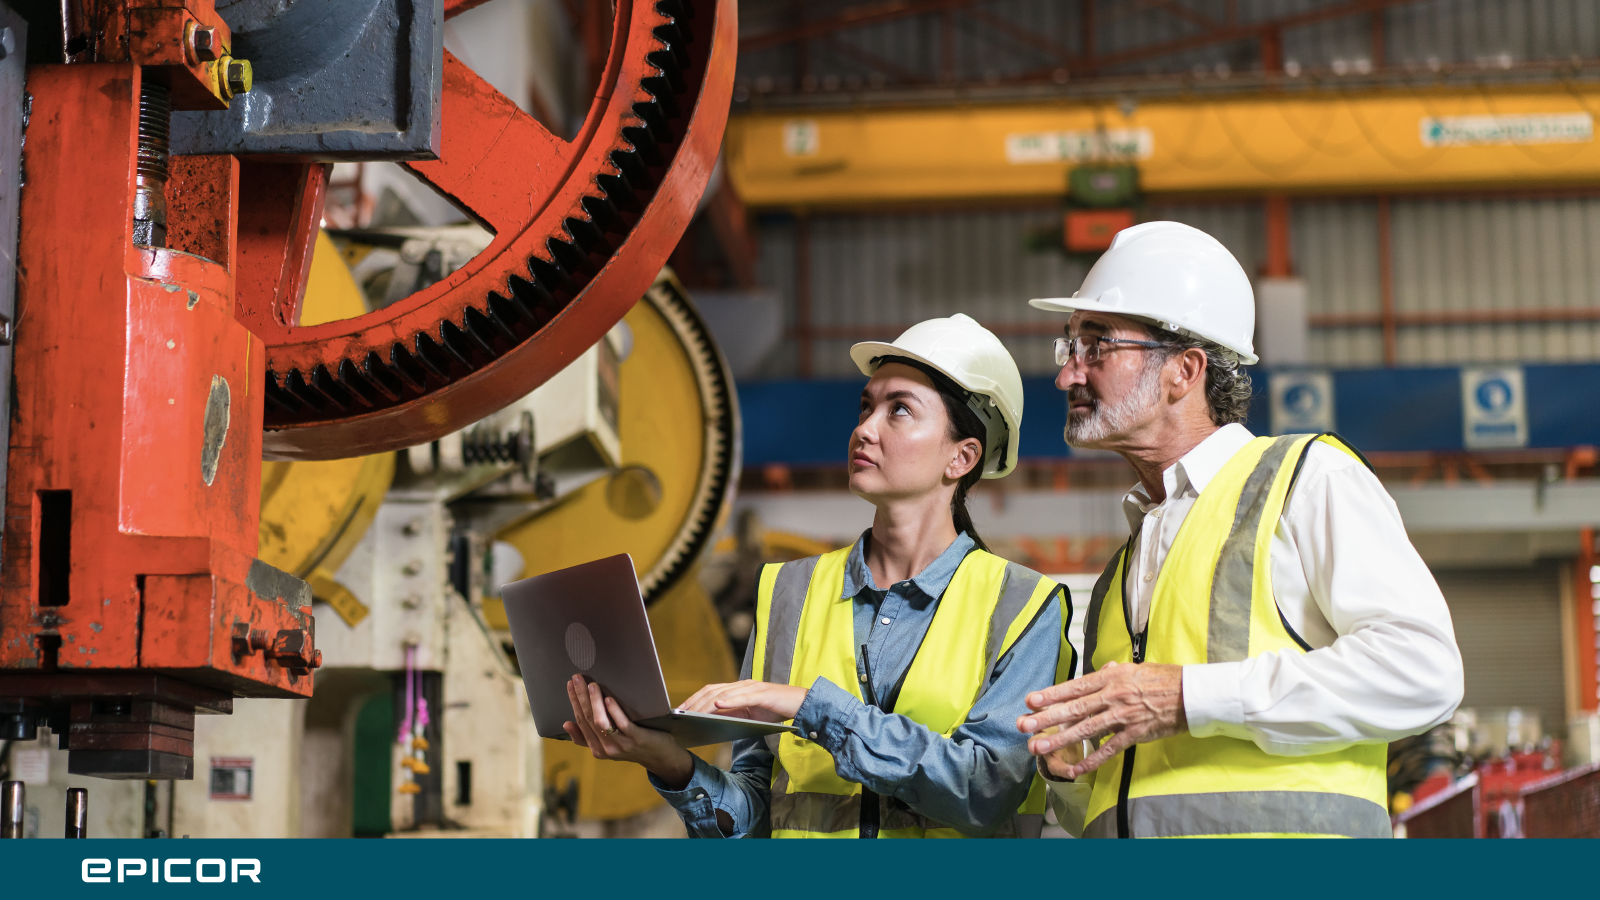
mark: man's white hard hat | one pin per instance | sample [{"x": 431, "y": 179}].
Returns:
[
  {"x": 972, "y": 357},
  {"x": 1174, "y": 277}
]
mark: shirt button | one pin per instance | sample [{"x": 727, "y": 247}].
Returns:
[
  {"x": 700, "y": 796},
  {"x": 862, "y": 676},
  {"x": 886, "y": 621},
  {"x": 1148, "y": 576},
  {"x": 813, "y": 735},
  {"x": 1157, "y": 514}
]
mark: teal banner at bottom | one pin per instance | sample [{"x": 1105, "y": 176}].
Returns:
[{"x": 449, "y": 869}]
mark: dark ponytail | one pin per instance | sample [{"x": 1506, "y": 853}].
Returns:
[{"x": 964, "y": 425}]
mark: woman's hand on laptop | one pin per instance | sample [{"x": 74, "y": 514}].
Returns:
[
  {"x": 600, "y": 725},
  {"x": 759, "y": 700}
]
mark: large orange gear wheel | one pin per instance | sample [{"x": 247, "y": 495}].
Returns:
[{"x": 581, "y": 229}]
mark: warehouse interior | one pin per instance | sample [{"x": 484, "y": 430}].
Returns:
[{"x": 323, "y": 321}]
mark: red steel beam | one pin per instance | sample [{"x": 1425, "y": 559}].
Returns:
[
  {"x": 1280, "y": 263},
  {"x": 1387, "y": 318},
  {"x": 1588, "y": 623}
]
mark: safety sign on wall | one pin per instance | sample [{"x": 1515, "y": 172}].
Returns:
[
  {"x": 1494, "y": 408},
  {"x": 1302, "y": 402}
]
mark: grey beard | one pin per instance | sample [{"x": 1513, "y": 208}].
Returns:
[{"x": 1110, "y": 420}]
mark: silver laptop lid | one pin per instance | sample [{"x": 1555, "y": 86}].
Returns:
[{"x": 588, "y": 619}]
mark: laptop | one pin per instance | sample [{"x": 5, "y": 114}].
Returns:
[{"x": 589, "y": 619}]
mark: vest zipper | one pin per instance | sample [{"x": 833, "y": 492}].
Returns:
[{"x": 1123, "y": 830}]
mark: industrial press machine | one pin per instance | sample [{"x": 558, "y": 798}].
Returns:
[{"x": 173, "y": 160}]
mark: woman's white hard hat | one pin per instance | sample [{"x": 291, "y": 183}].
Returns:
[
  {"x": 1174, "y": 277},
  {"x": 971, "y": 356}
]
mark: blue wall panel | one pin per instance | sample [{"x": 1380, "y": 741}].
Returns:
[{"x": 809, "y": 422}]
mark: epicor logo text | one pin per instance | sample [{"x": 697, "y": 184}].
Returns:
[{"x": 178, "y": 871}]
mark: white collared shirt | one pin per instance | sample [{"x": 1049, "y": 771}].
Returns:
[{"x": 1385, "y": 662}]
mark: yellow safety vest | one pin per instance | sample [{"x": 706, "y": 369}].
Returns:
[
  {"x": 805, "y": 630},
  {"x": 1213, "y": 603}
]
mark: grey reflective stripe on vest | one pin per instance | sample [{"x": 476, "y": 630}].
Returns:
[
  {"x": 783, "y": 618},
  {"x": 1247, "y": 812},
  {"x": 789, "y": 591},
  {"x": 834, "y": 813},
  {"x": 1018, "y": 590},
  {"x": 1091, "y": 623},
  {"x": 1233, "y": 585}
]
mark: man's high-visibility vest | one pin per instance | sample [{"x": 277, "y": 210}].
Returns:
[
  {"x": 1213, "y": 603},
  {"x": 805, "y": 630}
]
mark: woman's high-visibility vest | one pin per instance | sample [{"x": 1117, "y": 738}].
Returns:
[
  {"x": 1213, "y": 603},
  {"x": 805, "y": 630}
]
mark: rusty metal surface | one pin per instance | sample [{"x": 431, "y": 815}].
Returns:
[
  {"x": 124, "y": 353},
  {"x": 13, "y": 44},
  {"x": 581, "y": 230},
  {"x": 1563, "y": 806},
  {"x": 1454, "y": 812}
]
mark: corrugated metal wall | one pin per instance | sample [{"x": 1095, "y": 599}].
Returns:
[
  {"x": 1434, "y": 32},
  {"x": 1508, "y": 626},
  {"x": 1448, "y": 255}
]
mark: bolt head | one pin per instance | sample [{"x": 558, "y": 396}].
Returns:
[
  {"x": 240, "y": 76},
  {"x": 207, "y": 47}
]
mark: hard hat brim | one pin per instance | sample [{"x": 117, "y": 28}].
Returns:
[
  {"x": 1074, "y": 304},
  {"x": 864, "y": 353}
]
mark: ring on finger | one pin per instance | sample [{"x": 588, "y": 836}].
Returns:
[{"x": 610, "y": 731}]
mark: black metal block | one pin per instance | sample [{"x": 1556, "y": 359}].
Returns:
[{"x": 335, "y": 81}]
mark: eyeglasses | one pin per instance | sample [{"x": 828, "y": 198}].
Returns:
[{"x": 1087, "y": 347}]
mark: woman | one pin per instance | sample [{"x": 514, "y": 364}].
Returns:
[{"x": 907, "y": 693}]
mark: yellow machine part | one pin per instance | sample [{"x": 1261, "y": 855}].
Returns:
[
  {"x": 638, "y": 510},
  {"x": 314, "y": 513},
  {"x": 694, "y": 653},
  {"x": 1323, "y": 142}
]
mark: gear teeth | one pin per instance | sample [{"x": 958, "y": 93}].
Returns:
[
  {"x": 406, "y": 366},
  {"x": 303, "y": 392},
  {"x": 589, "y": 237},
  {"x": 634, "y": 165},
  {"x": 381, "y": 379},
  {"x": 279, "y": 397},
  {"x": 667, "y": 62},
  {"x": 356, "y": 385},
  {"x": 604, "y": 216},
  {"x": 674, "y": 37},
  {"x": 570, "y": 258},
  {"x": 323, "y": 382},
  {"x": 481, "y": 330},
  {"x": 551, "y": 274},
  {"x": 657, "y": 129},
  {"x": 506, "y": 319},
  {"x": 433, "y": 357},
  {"x": 619, "y": 192},
  {"x": 503, "y": 317},
  {"x": 454, "y": 341}
]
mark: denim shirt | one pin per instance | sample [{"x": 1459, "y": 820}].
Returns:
[{"x": 972, "y": 781}]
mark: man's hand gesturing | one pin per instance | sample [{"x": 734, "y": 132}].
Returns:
[{"x": 1133, "y": 703}]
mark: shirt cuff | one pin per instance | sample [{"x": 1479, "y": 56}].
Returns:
[
  {"x": 1213, "y": 699},
  {"x": 697, "y": 803},
  {"x": 1069, "y": 800},
  {"x": 826, "y": 714}
]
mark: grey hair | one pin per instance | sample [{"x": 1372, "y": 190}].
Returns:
[{"x": 1228, "y": 388}]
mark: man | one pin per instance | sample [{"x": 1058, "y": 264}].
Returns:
[{"x": 1268, "y": 628}]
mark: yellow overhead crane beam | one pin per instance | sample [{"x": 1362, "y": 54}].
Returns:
[{"x": 1289, "y": 142}]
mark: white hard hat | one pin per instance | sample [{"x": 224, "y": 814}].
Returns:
[
  {"x": 971, "y": 356},
  {"x": 1174, "y": 277}
]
